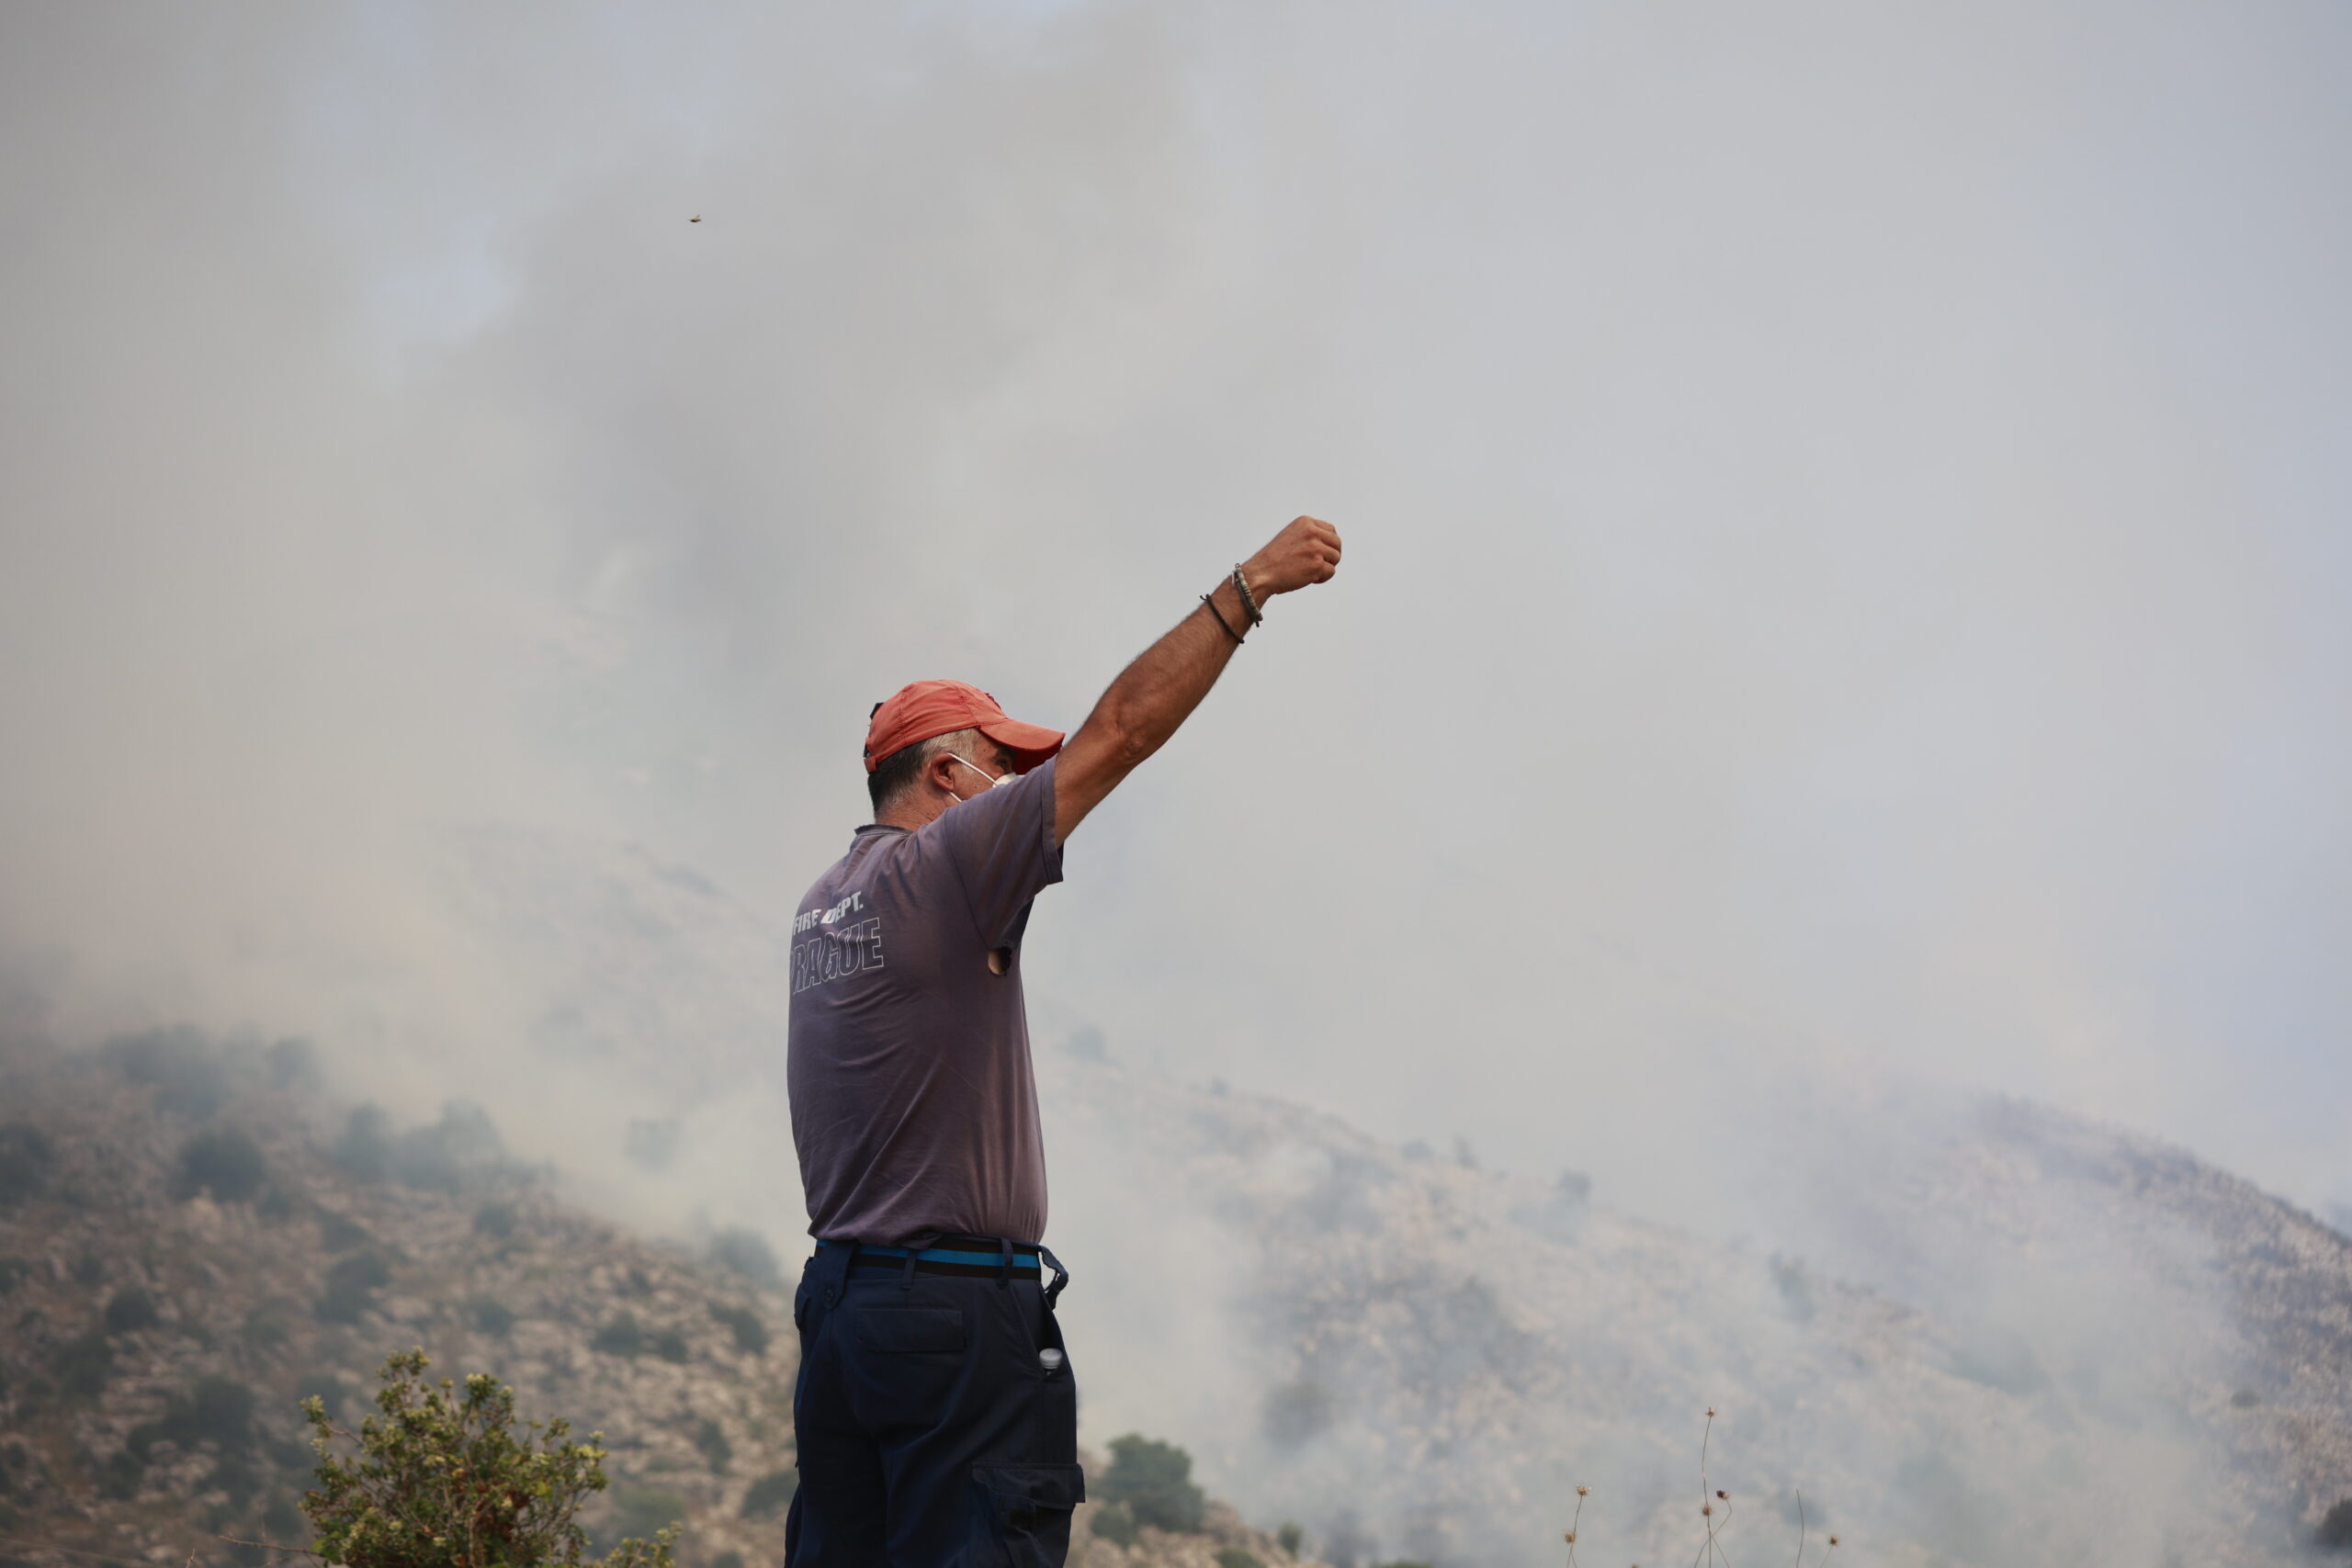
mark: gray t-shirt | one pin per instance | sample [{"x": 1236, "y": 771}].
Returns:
[{"x": 914, "y": 1107}]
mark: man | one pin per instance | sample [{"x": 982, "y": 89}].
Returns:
[{"x": 935, "y": 1415}]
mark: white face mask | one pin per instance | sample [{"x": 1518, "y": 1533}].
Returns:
[{"x": 994, "y": 782}]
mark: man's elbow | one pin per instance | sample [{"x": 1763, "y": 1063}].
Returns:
[{"x": 1124, "y": 742}]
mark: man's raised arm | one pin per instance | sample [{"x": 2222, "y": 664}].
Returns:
[{"x": 1167, "y": 681}]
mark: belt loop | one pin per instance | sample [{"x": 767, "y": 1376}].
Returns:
[
  {"x": 1061, "y": 1275},
  {"x": 1004, "y": 1271},
  {"x": 836, "y": 1280},
  {"x": 907, "y": 1279}
]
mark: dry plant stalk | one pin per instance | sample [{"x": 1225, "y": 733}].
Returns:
[{"x": 1714, "y": 1510}]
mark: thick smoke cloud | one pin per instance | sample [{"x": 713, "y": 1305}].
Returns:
[{"x": 1844, "y": 513}]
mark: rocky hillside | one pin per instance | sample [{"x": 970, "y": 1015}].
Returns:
[
  {"x": 192, "y": 1240},
  {"x": 2105, "y": 1351}
]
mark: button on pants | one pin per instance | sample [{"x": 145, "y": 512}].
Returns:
[{"x": 930, "y": 1436}]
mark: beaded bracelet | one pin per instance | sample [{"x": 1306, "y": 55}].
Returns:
[{"x": 1242, "y": 586}]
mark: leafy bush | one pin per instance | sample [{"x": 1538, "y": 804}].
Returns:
[
  {"x": 494, "y": 1318},
  {"x": 2336, "y": 1530},
  {"x": 670, "y": 1345},
  {"x": 351, "y": 1288},
  {"x": 341, "y": 1233},
  {"x": 225, "y": 1163},
  {"x": 1297, "y": 1411},
  {"x": 750, "y": 1334},
  {"x": 26, "y": 1159},
  {"x": 770, "y": 1494},
  {"x": 495, "y": 1221},
  {"x": 216, "y": 1410},
  {"x": 1115, "y": 1523},
  {"x": 129, "y": 1310},
  {"x": 82, "y": 1366},
  {"x": 710, "y": 1442},
  {"x": 365, "y": 1149},
  {"x": 622, "y": 1337},
  {"x": 122, "y": 1476},
  {"x": 748, "y": 1254},
  {"x": 1289, "y": 1538},
  {"x": 1234, "y": 1557},
  {"x": 443, "y": 1156},
  {"x": 327, "y": 1387},
  {"x": 185, "y": 1071},
  {"x": 448, "y": 1478},
  {"x": 1155, "y": 1480}
]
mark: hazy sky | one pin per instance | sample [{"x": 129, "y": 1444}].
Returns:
[{"x": 1849, "y": 513}]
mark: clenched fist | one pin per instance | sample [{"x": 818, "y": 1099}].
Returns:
[{"x": 1306, "y": 551}]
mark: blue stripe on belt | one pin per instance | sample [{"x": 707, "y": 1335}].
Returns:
[{"x": 945, "y": 1255}]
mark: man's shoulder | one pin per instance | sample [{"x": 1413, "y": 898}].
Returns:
[{"x": 875, "y": 849}]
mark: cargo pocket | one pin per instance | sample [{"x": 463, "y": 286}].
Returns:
[{"x": 1024, "y": 1513}]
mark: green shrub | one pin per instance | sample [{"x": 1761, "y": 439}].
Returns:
[
  {"x": 341, "y": 1233},
  {"x": 622, "y": 1337},
  {"x": 218, "y": 1410},
  {"x": 223, "y": 1162},
  {"x": 1289, "y": 1538},
  {"x": 710, "y": 1442},
  {"x": 750, "y": 1334},
  {"x": 727, "y": 1559},
  {"x": 351, "y": 1285},
  {"x": 365, "y": 1150},
  {"x": 325, "y": 1386},
  {"x": 1115, "y": 1523},
  {"x": 1234, "y": 1557},
  {"x": 670, "y": 1345},
  {"x": 122, "y": 1475},
  {"x": 83, "y": 1365},
  {"x": 495, "y": 1221},
  {"x": 490, "y": 1317},
  {"x": 441, "y": 1477},
  {"x": 177, "y": 1064},
  {"x": 26, "y": 1157},
  {"x": 442, "y": 1157},
  {"x": 1155, "y": 1480},
  {"x": 770, "y": 1494},
  {"x": 2335, "y": 1529},
  {"x": 129, "y": 1310}
]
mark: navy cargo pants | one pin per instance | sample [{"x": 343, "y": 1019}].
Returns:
[{"x": 934, "y": 1429}]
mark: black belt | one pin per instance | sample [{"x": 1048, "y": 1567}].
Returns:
[{"x": 960, "y": 1257}]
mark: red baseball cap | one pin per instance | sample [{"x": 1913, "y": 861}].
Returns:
[{"x": 940, "y": 707}]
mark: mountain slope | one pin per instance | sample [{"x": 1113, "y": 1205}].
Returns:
[
  {"x": 191, "y": 1243},
  {"x": 2167, "y": 1380}
]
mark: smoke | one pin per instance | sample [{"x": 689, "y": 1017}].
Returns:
[{"x": 1843, "y": 515}]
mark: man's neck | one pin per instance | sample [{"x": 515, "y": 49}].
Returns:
[{"x": 908, "y": 815}]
